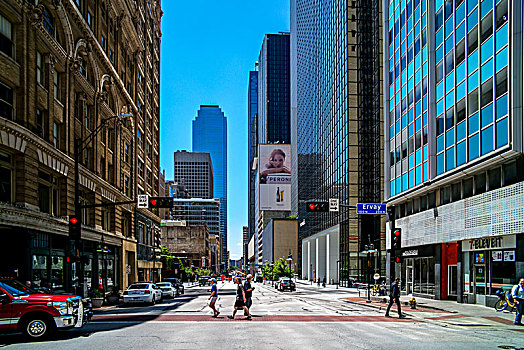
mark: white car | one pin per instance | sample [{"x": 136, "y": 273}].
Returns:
[
  {"x": 168, "y": 290},
  {"x": 142, "y": 292}
]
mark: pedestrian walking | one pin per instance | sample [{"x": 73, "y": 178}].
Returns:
[
  {"x": 324, "y": 282},
  {"x": 240, "y": 300},
  {"x": 518, "y": 295},
  {"x": 213, "y": 297},
  {"x": 318, "y": 282},
  {"x": 394, "y": 296},
  {"x": 248, "y": 290}
]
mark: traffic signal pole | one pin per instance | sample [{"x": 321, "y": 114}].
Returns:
[{"x": 78, "y": 213}]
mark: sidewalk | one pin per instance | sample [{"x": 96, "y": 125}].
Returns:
[{"x": 444, "y": 312}]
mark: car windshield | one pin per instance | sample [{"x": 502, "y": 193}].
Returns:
[
  {"x": 139, "y": 286},
  {"x": 16, "y": 288}
]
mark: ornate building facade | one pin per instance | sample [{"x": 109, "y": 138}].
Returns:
[{"x": 67, "y": 68}]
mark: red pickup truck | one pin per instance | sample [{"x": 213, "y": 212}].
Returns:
[{"x": 38, "y": 315}]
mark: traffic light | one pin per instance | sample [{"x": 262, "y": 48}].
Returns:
[
  {"x": 160, "y": 202},
  {"x": 74, "y": 227},
  {"x": 317, "y": 206},
  {"x": 398, "y": 258},
  {"x": 395, "y": 238}
]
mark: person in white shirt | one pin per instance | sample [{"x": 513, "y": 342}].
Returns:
[{"x": 518, "y": 295}]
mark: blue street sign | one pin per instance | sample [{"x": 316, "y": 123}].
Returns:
[{"x": 370, "y": 208}]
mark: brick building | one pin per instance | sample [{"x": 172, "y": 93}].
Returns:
[{"x": 65, "y": 68}]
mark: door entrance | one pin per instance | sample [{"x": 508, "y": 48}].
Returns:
[
  {"x": 452, "y": 281},
  {"x": 479, "y": 282},
  {"x": 409, "y": 279}
]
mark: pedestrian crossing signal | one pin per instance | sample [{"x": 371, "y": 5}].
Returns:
[{"x": 398, "y": 259}]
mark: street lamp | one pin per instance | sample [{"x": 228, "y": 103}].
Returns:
[
  {"x": 289, "y": 260},
  {"x": 79, "y": 146}
]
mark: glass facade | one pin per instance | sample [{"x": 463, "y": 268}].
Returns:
[
  {"x": 252, "y": 109},
  {"x": 210, "y": 135},
  {"x": 460, "y": 50},
  {"x": 337, "y": 87}
]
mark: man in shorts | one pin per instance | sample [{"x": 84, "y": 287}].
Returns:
[
  {"x": 240, "y": 300},
  {"x": 213, "y": 297},
  {"x": 248, "y": 290}
]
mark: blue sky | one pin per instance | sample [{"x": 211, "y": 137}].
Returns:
[{"x": 208, "y": 49}]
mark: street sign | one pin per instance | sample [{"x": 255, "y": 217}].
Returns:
[
  {"x": 370, "y": 208},
  {"x": 333, "y": 204},
  {"x": 142, "y": 201}
]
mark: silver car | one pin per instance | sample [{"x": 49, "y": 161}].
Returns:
[
  {"x": 168, "y": 290},
  {"x": 142, "y": 292}
]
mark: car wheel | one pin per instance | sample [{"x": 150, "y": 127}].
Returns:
[{"x": 39, "y": 327}]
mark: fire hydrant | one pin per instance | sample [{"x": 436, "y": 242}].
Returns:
[{"x": 413, "y": 303}]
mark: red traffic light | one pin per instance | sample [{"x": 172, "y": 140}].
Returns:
[
  {"x": 73, "y": 220},
  {"x": 398, "y": 259},
  {"x": 312, "y": 206},
  {"x": 153, "y": 202},
  {"x": 317, "y": 206},
  {"x": 397, "y": 233}
]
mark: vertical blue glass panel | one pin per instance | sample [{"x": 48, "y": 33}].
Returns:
[
  {"x": 426, "y": 171},
  {"x": 502, "y": 106},
  {"x": 404, "y": 182},
  {"x": 450, "y": 137},
  {"x": 425, "y": 103},
  {"x": 502, "y": 132},
  {"x": 440, "y": 107},
  {"x": 439, "y": 54},
  {"x": 440, "y": 90},
  {"x": 440, "y": 163},
  {"x": 411, "y": 130},
  {"x": 418, "y": 124},
  {"x": 450, "y": 158},
  {"x": 460, "y": 32},
  {"x": 461, "y": 153},
  {"x": 418, "y": 175},
  {"x": 460, "y": 13},
  {"x": 426, "y": 152},
  {"x": 473, "y": 62},
  {"x": 486, "y": 115},
  {"x": 473, "y": 123},
  {"x": 461, "y": 91},
  {"x": 473, "y": 81},
  {"x": 397, "y": 126},
  {"x": 450, "y": 100},
  {"x": 439, "y": 37},
  {"x": 450, "y": 43},
  {"x": 461, "y": 131},
  {"x": 440, "y": 143},
  {"x": 412, "y": 178},
  {"x": 461, "y": 71},
  {"x": 425, "y": 119},
  {"x": 450, "y": 81},
  {"x": 472, "y": 4},
  {"x": 486, "y": 71},
  {"x": 418, "y": 157},
  {"x": 501, "y": 60},
  {"x": 392, "y": 187},
  {"x": 449, "y": 26},
  {"x": 487, "y": 140},
  {"x": 411, "y": 161},
  {"x": 410, "y": 115},
  {"x": 473, "y": 147},
  {"x": 418, "y": 109},
  {"x": 485, "y": 7},
  {"x": 473, "y": 20},
  {"x": 501, "y": 37},
  {"x": 397, "y": 185},
  {"x": 392, "y": 130},
  {"x": 486, "y": 50},
  {"x": 404, "y": 121}
]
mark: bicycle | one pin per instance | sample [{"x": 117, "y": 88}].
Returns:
[{"x": 503, "y": 303}]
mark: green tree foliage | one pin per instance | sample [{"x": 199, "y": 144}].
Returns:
[{"x": 279, "y": 269}]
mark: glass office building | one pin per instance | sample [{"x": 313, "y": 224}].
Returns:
[
  {"x": 453, "y": 91},
  {"x": 210, "y": 135},
  {"x": 336, "y": 50},
  {"x": 252, "y": 109}
]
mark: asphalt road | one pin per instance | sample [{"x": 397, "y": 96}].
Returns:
[{"x": 309, "y": 318}]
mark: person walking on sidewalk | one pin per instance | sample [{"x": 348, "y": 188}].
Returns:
[
  {"x": 213, "y": 298},
  {"x": 240, "y": 300},
  {"x": 248, "y": 290},
  {"x": 518, "y": 295},
  {"x": 394, "y": 296}
]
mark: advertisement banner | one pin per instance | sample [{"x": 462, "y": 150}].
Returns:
[{"x": 274, "y": 177}]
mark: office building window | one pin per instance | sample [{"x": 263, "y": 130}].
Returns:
[
  {"x": 39, "y": 68},
  {"x": 6, "y": 36},
  {"x": 6, "y": 102},
  {"x": 6, "y": 178}
]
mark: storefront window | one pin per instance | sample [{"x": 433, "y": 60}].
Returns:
[
  {"x": 57, "y": 272},
  {"x": 40, "y": 276},
  {"x": 88, "y": 273},
  {"x": 419, "y": 276}
]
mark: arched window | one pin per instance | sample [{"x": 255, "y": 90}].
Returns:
[{"x": 49, "y": 22}]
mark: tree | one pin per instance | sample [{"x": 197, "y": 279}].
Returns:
[{"x": 279, "y": 269}]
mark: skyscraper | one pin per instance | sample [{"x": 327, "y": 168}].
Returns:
[
  {"x": 336, "y": 49},
  {"x": 210, "y": 135},
  {"x": 195, "y": 171},
  {"x": 454, "y": 159},
  {"x": 274, "y": 90},
  {"x": 252, "y": 105}
]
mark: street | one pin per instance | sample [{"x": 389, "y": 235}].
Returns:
[{"x": 312, "y": 317}]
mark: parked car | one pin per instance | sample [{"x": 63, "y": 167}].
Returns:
[
  {"x": 285, "y": 283},
  {"x": 39, "y": 315},
  {"x": 177, "y": 283},
  {"x": 168, "y": 290},
  {"x": 142, "y": 292}
]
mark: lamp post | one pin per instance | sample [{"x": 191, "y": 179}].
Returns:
[
  {"x": 311, "y": 275},
  {"x": 79, "y": 146},
  {"x": 368, "y": 250},
  {"x": 338, "y": 269},
  {"x": 289, "y": 260}
]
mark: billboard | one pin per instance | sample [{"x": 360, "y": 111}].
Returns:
[{"x": 274, "y": 174}]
